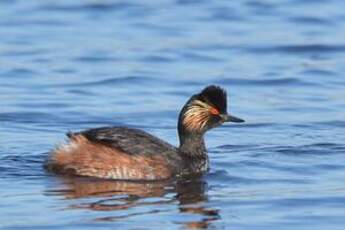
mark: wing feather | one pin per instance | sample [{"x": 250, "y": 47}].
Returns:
[{"x": 128, "y": 140}]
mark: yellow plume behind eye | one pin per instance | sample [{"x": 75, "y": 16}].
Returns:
[{"x": 196, "y": 115}]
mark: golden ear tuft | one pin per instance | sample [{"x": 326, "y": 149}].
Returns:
[{"x": 196, "y": 115}]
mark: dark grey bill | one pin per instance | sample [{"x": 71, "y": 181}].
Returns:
[{"x": 230, "y": 118}]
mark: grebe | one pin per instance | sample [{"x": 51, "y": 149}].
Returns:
[{"x": 130, "y": 154}]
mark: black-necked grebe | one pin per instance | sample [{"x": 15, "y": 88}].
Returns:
[{"x": 131, "y": 154}]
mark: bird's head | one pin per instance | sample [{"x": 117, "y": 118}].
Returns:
[{"x": 205, "y": 110}]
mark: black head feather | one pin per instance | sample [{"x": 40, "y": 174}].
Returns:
[{"x": 214, "y": 96}]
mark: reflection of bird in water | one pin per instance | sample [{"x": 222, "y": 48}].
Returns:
[
  {"x": 122, "y": 196},
  {"x": 85, "y": 187},
  {"x": 192, "y": 199},
  {"x": 131, "y": 154}
]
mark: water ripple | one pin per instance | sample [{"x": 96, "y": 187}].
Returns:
[
  {"x": 299, "y": 49},
  {"x": 27, "y": 117},
  {"x": 265, "y": 82},
  {"x": 92, "y": 7},
  {"x": 113, "y": 81},
  {"x": 311, "y": 21}
]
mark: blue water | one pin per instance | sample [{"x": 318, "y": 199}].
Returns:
[{"x": 71, "y": 65}]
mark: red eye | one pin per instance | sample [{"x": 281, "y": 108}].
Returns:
[{"x": 214, "y": 111}]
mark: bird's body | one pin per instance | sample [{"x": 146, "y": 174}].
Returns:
[{"x": 131, "y": 154}]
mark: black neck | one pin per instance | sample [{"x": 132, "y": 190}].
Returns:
[{"x": 193, "y": 145}]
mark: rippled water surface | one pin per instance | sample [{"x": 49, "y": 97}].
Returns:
[{"x": 71, "y": 65}]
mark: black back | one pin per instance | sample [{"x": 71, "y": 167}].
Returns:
[{"x": 128, "y": 140}]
